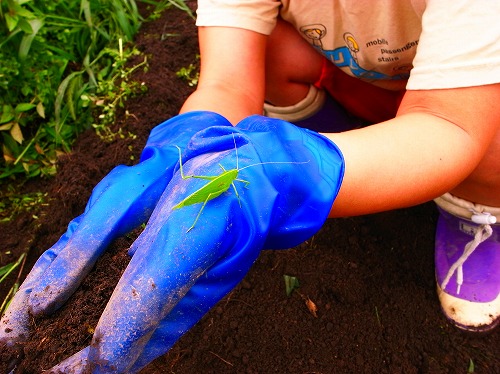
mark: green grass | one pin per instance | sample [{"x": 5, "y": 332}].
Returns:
[
  {"x": 60, "y": 62},
  {"x": 5, "y": 271},
  {"x": 12, "y": 203},
  {"x": 190, "y": 74}
]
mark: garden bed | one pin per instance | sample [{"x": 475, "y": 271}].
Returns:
[{"x": 371, "y": 278}]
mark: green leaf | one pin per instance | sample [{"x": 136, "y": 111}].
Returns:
[
  {"x": 25, "y": 26},
  {"x": 11, "y": 21},
  {"x": 6, "y": 269},
  {"x": 23, "y": 12},
  {"x": 25, "y": 45},
  {"x": 85, "y": 7},
  {"x": 61, "y": 92},
  {"x": 24, "y": 107},
  {"x": 471, "y": 366},
  {"x": 8, "y": 114},
  {"x": 291, "y": 283}
]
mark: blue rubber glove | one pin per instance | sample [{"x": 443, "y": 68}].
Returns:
[
  {"x": 122, "y": 201},
  {"x": 176, "y": 275}
]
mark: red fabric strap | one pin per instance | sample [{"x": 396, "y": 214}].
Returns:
[{"x": 360, "y": 98}]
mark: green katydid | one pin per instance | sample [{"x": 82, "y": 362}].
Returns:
[{"x": 217, "y": 185}]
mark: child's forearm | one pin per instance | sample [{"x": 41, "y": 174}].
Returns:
[
  {"x": 232, "y": 79},
  {"x": 405, "y": 161}
]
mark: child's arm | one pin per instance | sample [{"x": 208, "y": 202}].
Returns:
[
  {"x": 436, "y": 141},
  {"x": 232, "y": 76}
]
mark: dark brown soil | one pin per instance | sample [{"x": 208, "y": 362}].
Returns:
[{"x": 371, "y": 278}]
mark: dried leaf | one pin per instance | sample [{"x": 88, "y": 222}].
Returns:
[
  {"x": 7, "y": 154},
  {"x": 40, "y": 109},
  {"x": 312, "y": 307},
  {"x": 7, "y": 126},
  {"x": 39, "y": 149},
  {"x": 16, "y": 133}
]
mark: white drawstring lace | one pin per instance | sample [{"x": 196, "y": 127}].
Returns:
[{"x": 483, "y": 232}]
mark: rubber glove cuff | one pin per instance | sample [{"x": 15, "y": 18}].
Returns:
[{"x": 309, "y": 190}]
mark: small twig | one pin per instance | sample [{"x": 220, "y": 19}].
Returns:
[
  {"x": 240, "y": 301},
  {"x": 311, "y": 244},
  {"x": 276, "y": 265},
  {"x": 216, "y": 355},
  {"x": 378, "y": 316}
]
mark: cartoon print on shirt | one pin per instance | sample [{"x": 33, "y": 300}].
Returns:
[
  {"x": 351, "y": 43},
  {"x": 347, "y": 56},
  {"x": 314, "y": 33}
]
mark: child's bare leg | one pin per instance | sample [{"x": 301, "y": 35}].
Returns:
[
  {"x": 483, "y": 185},
  {"x": 292, "y": 65},
  {"x": 292, "y": 68}
]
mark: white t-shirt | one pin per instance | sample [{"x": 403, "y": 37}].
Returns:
[{"x": 395, "y": 44}]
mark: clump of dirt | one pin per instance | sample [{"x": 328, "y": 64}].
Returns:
[{"x": 371, "y": 278}]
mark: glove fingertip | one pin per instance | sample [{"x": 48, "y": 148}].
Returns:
[
  {"x": 76, "y": 364},
  {"x": 45, "y": 301}
]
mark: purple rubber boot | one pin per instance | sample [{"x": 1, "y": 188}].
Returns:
[
  {"x": 467, "y": 260},
  {"x": 317, "y": 112}
]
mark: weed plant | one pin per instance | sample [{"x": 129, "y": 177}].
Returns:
[{"x": 59, "y": 60}]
